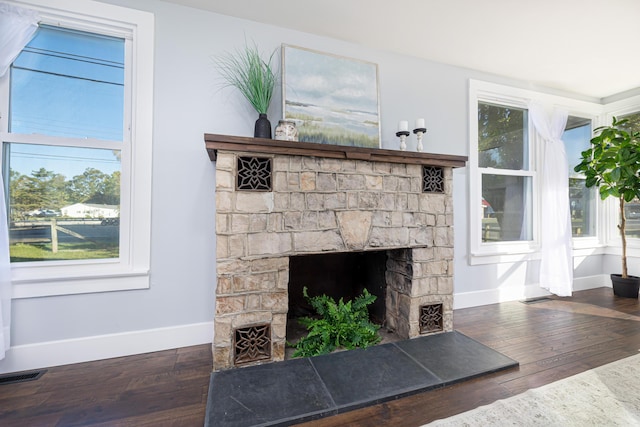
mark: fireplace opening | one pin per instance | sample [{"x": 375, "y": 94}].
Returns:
[{"x": 337, "y": 275}]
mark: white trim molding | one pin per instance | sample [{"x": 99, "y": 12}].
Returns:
[
  {"x": 86, "y": 349},
  {"x": 516, "y": 293}
]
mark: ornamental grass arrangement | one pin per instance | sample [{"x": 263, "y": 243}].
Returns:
[{"x": 246, "y": 70}]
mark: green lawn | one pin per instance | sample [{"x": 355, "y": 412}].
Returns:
[{"x": 25, "y": 252}]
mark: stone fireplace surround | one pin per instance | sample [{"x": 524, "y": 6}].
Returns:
[{"x": 276, "y": 199}]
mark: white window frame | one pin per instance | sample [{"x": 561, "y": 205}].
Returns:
[
  {"x": 131, "y": 269},
  {"x": 514, "y": 251}
]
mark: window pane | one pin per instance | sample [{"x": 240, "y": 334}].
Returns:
[
  {"x": 634, "y": 121},
  {"x": 506, "y": 202},
  {"x": 502, "y": 137},
  {"x": 64, "y": 202},
  {"x": 582, "y": 200},
  {"x": 69, "y": 83},
  {"x": 632, "y": 213},
  {"x": 632, "y": 209}
]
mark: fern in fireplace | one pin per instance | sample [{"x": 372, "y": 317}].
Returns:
[{"x": 338, "y": 325}]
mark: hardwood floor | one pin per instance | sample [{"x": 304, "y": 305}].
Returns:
[
  {"x": 552, "y": 339},
  {"x": 167, "y": 388}
]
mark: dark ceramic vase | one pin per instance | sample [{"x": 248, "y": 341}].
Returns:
[
  {"x": 263, "y": 127},
  {"x": 627, "y": 287}
]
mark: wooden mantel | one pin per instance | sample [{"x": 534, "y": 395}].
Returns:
[{"x": 213, "y": 143}]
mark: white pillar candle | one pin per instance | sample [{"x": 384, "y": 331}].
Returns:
[
  {"x": 403, "y": 125},
  {"x": 419, "y": 123}
]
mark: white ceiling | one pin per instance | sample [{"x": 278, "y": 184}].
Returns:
[{"x": 588, "y": 47}]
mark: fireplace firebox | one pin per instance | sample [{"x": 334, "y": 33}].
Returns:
[{"x": 337, "y": 275}]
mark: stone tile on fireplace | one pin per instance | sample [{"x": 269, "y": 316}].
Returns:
[
  {"x": 387, "y": 371},
  {"x": 453, "y": 356},
  {"x": 261, "y": 395},
  {"x": 297, "y": 390}
]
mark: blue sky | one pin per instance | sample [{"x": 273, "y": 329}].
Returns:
[
  {"x": 67, "y": 84},
  {"x": 576, "y": 141}
]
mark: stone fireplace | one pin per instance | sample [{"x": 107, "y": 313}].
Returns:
[{"x": 278, "y": 200}]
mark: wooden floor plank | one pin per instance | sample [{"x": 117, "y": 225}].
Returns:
[{"x": 551, "y": 340}]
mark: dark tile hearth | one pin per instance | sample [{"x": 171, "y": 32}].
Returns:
[{"x": 293, "y": 391}]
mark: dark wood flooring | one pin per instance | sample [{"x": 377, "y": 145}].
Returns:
[{"x": 552, "y": 339}]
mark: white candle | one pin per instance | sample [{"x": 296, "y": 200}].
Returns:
[
  {"x": 403, "y": 125},
  {"x": 419, "y": 123}
]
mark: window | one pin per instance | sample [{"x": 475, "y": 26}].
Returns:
[
  {"x": 505, "y": 173},
  {"x": 504, "y": 159},
  {"x": 76, "y": 139},
  {"x": 67, "y": 84},
  {"x": 582, "y": 200}
]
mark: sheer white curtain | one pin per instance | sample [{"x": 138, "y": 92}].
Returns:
[
  {"x": 17, "y": 27},
  {"x": 556, "y": 267}
]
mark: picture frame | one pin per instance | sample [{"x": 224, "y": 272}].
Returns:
[{"x": 332, "y": 99}]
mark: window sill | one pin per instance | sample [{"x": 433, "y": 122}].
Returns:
[
  {"x": 580, "y": 249},
  {"x": 632, "y": 251},
  {"x": 498, "y": 258},
  {"x": 43, "y": 287}
]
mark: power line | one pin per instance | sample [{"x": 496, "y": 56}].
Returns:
[
  {"x": 51, "y": 73},
  {"x": 73, "y": 57},
  {"x": 60, "y": 157}
]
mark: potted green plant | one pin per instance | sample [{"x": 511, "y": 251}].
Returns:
[
  {"x": 612, "y": 164},
  {"x": 254, "y": 77}
]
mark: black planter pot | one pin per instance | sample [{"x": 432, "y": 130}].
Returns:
[
  {"x": 263, "y": 127},
  {"x": 627, "y": 288}
]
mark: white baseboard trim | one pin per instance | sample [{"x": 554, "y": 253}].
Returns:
[
  {"x": 495, "y": 296},
  {"x": 64, "y": 352},
  {"x": 590, "y": 282}
]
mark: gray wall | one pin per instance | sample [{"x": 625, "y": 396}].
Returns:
[{"x": 188, "y": 103}]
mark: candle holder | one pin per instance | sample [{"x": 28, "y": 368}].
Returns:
[
  {"x": 419, "y": 133},
  {"x": 403, "y": 134}
]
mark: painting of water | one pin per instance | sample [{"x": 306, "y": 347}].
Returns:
[{"x": 332, "y": 99}]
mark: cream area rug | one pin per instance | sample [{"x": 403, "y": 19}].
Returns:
[{"x": 605, "y": 396}]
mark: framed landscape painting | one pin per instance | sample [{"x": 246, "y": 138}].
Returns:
[{"x": 332, "y": 99}]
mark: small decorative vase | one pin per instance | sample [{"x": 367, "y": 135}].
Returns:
[
  {"x": 286, "y": 131},
  {"x": 263, "y": 127}
]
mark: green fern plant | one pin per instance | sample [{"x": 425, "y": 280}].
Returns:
[{"x": 339, "y": 325}]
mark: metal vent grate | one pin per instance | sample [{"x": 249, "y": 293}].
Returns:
[
  {"x": 252, "y": 344},
  {"x": 432, "y": 179},
  {"x": 254, "y": 174},
  {"x": 21, "y": 377},
  {"x": 431, "y": 318}
]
